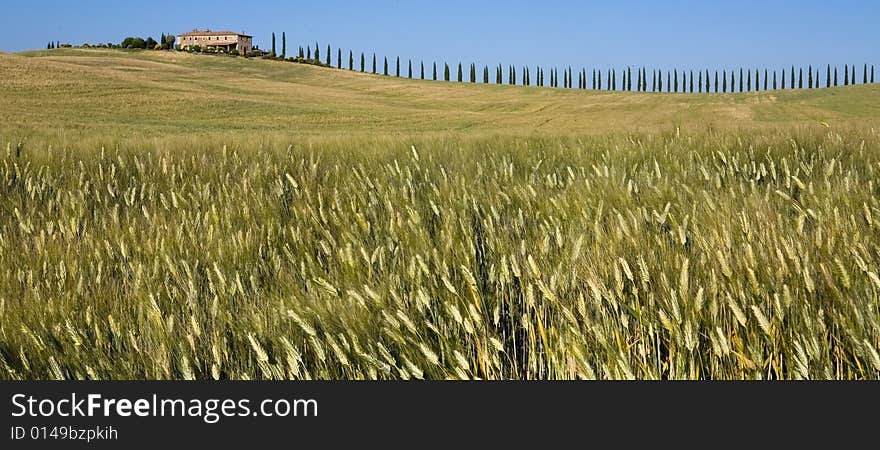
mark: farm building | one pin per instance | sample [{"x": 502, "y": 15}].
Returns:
[{"x": 225, "y": 40}]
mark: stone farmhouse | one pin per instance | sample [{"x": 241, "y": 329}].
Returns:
[{"x": 225, "y": 40}]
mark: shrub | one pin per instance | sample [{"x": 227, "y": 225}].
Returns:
[
  {"x": 234, "y": 52},
  {"x": 157, "y": 47}
]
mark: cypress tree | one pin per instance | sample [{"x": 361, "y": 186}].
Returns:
[
  {"x": 374, "y": 63},
  {"x": 350, "y": 60},
  {"x": 485, "y": 74},
  {"x": 317, "y": 53},
  {"x": 594, "y": 79},
  {"x": 283, "y": 44},
  {"x": 668, "y": 83},
  {"x": 308, "y": 53},
  {"x": 328, "y": 54},
  {"x": 445, "y": 72},
  {"x": 273, "y": 44},
  {"x": 766, "y": 72},
  {"x": 810, "y": 77},
  {"x": 724, "y": 82},
  {"x": 385, "y": 66},
  {"x": 707, "y": 81},
  {"x": 749, "y": 84},
  {"x": 629, "y": 79},
  {"x": 659, "y": 81},
  {"x": 835, "y": 77},
  {"x": 828, "y": 76},
  {"x": 409, "y": 68},
  {"x": 872, "y": 74},
  {"x": 865, "y": 75},
  {"x": 792, "y": 78},
  {"x": 301, "y": 54},
  {"x": 435, "y": 71},
  {"x": 774, "y": 79},
  {"x": 783, "y": 79},
  {"x": 459, "y": 72},
  {"x": 613, "y": 79},
  {"x": 675, "y": 86},
  {"x": 499, "y": 75},
  {"x": 338, "y": 58},
  {"x": 691, "y": 82},
  {"x": 700, "y": 81},
  {"x": 363, "y": 68},
  {"x": 397, "y": 68},
  {"x": 740, "y": 79},
  {"x": 421, "y": 70},
  {"x": 639, "y": 81},
  {"x": 801, "y": 78},
  {"x": 600, "y": 80},
  {"x": 473, "y": 73}
]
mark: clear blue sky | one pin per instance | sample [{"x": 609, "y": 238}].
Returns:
[{"x": 671, "y": 33}]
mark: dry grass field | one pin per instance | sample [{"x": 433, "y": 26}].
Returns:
[{"x": 172, "y": 216}]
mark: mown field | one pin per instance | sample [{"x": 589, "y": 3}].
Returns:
[{"x": 168, "y": 216}]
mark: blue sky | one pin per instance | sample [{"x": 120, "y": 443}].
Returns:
[{"x": 672, "y": 33}]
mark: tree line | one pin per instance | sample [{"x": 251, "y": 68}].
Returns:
[{"x": 639, "y": 79}]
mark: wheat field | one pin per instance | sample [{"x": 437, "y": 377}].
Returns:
[{"x": 676, "y": 252}]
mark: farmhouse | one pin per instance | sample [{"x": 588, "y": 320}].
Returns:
[{"x": 225, "y": 40}]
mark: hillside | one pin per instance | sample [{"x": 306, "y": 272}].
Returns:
[{"x": 76, "y": 91}]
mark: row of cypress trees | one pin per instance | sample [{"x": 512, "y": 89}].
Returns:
[{"x": 675, "y": 81}]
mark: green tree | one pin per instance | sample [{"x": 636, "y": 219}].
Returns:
[
  {"x": 835, "y": 77},
  {"x": 409, "y": 68},
  {"x": 485, "y": 74},
  {"x": 435, "y": 71},
  {"x": 421, "y": 70},
  {"x": 749, "y": 81},
  {"x": 783, "y": 78},
  {"x": 363, "y": 65},
  {"x": 351, "y": 60},
  {"x": 473, "y": 73},
  {"x": 397, "y": 68},
  {"x": 872, "y": 74},
  {"x": 283, "y": 45},
  {"x": 774, "y": 79},
  {"x": 810, "y": 77},
  {"x": 865, "y": 75},
  {"x": 659, "y": 81},
  {"x": 707, "y": 81},
  {"x": 828, "y": 76},
  {"x": 675, "y": 78},
  {"x": 308, "y": 53},
  {"x": 724, "y": 82},
  {"x": 459, "y": 73},
  {"x": 791, "y": 82},
  {"x": 301, "y": 53},
  {"x": 374, "y": 63},
  {"x": 801, "y": 78},
  {"x": 328, "y": 55},
  {"x": 273, "y": 44},
  {"x": 338, "y": 58},
  {"x": 445, "y": 72},
  {"x": 317, "y": 53},
  {"x": 385, "y": 66}
]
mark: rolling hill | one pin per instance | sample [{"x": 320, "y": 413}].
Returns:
[{"x": 80, "y": 91}]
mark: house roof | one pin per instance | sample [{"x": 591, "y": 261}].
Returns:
[{"x": 214, "y": 33}]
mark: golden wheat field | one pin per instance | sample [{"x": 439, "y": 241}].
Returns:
[{"x": 503, "y": 233}]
